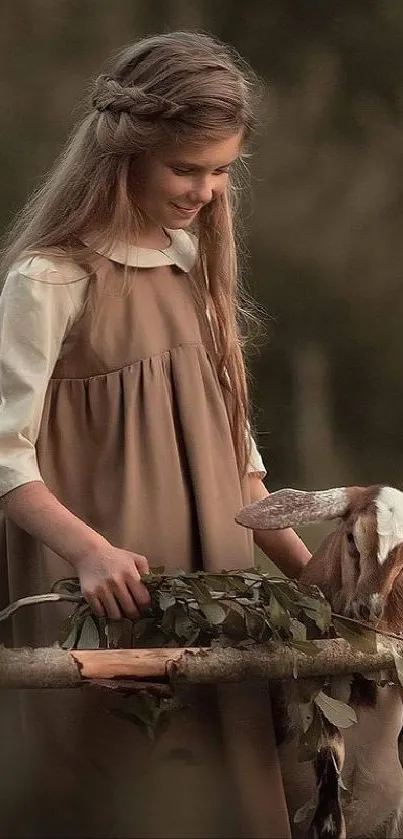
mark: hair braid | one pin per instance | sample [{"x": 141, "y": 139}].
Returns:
[{"x": 110, "y": 95}]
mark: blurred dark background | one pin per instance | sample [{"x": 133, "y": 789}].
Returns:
[{"x": 323, "y": 218}]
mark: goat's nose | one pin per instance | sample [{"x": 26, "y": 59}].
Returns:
[
  {"x": 367, "y": 610},
  {"x": 364, "y": 611}
]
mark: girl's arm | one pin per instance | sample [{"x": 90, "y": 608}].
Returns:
[
  {"x": 40, "y": 301},
  {"x": 283, "y": 547},
  {"x": 109, "y": 576}
]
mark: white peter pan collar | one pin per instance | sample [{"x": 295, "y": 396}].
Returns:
[{"x": 181, "y": 252}]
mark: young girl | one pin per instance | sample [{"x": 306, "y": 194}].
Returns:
[{"x": 124, "y": 436}]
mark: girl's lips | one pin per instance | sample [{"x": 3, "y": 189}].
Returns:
[{"x": 185, "y": 210}]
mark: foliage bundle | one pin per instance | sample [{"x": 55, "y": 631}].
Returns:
[{"x": 201, "y": 608}]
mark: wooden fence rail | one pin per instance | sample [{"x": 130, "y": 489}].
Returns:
[{"x": 51, "y": 667}]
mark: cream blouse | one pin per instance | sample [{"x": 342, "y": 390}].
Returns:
[{"x": 40, "y": 302}]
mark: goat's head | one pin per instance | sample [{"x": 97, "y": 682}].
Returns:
[{"x": 359, "y": 566}]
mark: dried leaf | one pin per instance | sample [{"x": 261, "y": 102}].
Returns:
[{"x": 338, "y": 713}]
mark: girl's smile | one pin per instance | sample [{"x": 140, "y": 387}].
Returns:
[{"x": 175, "y": 186}]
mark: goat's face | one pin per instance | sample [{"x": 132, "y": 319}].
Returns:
[{"x": 359, "y": 567}]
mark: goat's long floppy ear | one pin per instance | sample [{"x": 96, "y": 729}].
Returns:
[{"x": 291, "y": 507}]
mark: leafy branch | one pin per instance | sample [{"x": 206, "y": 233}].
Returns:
[{"x": 223, "y": 609}]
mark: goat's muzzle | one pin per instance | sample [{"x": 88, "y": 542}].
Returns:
[{"x": 366, "y": 608}]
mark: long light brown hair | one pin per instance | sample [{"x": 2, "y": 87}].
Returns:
[{"x": 173, "y": 88}]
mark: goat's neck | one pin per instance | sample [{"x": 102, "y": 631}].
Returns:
[{"x": 373, "y": 742}]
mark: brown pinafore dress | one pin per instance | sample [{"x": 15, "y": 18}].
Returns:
[{"x": 135, "y": 440}]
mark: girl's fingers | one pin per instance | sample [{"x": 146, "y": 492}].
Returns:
[
  {"x": 142, "y": 564},
  {"x": 139, "y": 592},
  {"x": 125, "y": 599},
  {"x": 110, "y": 602},
  {"x": 96, "y": 605}
]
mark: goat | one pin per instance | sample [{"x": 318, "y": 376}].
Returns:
[{"x": 359, "y": 569}]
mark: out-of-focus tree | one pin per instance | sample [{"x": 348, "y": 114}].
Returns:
[{"x": 325, "y": 232}]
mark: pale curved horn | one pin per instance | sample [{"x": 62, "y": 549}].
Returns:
[{"x": 291, "y": 507}]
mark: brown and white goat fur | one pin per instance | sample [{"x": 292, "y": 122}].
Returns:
[{"x": 359, "y": 569}]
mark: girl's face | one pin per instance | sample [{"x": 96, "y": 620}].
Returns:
[{"x": 176, "y": 184}]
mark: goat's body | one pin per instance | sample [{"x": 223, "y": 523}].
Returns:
[
  {"x": 359, "y": 568},
  {"x": 372, "y": 772}
]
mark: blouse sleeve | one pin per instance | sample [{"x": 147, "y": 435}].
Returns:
[
  {"x": 38, "y": 305},
  {"x": 255, "y": 465}
]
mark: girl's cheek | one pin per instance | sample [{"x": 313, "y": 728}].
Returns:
[
  {"x": 221, "y": 186},
  {"x": 176, "y": 185}
]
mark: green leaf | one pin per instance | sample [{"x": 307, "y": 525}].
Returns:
[
  {"x": 338, "y": 713},
  {"x": 168, "y": 621},
  {"x": 185, "y": 629},
  {"x": 340, "y": 688},
  {"x": 70, "y": 639},
  {"x": 255, "y": 624},
  {"x": 200, "y": 591},
  {"x": 398, "y": 659},
  {"x": 318, "y": 610},
  {"x": 306, "y": 647},
  {"x": 214, "y": 613},
  {"x": 298, "y": 631},
  {"x": 89, "y": 637},
  {"x": 150, "y": 713},
  {"x": 356, "y": 635},
  {"x": 307, "y": 689},
  {"x": 69, "y": 585},
  {"x": 278, "y": 615},
  {"x": 309, "y": 740},
  {"x": 234, "y": 624},
  {"x": 306, "y": 713},
  {"x": 113, "y": 632},
  {"x": 166, "y": 600}
]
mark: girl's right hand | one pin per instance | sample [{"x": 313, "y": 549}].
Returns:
[{"x": 110, "y": 582}]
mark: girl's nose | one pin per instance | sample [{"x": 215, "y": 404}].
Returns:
[{"x": 202, "y": 191}]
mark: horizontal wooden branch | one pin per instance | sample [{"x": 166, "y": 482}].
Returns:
[{"x": 51, "y": 667}]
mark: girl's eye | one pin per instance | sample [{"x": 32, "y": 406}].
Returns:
[{"x": 181, "y": 171}]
